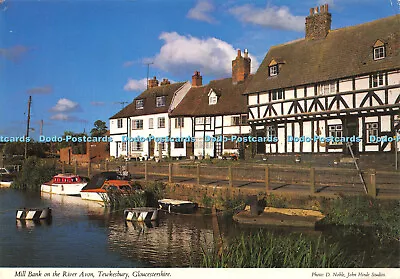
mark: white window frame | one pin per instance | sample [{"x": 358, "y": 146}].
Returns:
[
  {"x": 137, "y": 124},
  {"x": 151, "y": 123},
  {"x": 181, "y": 145},
  {"x": 271, "y": 131},
  {"x": 277, "y": 94},
  {"x": 378, "y": 80},
  {"x": 137, "y": 146},
  {"x": 235, "y": 121},
  {"x": 327, "y": 88},
  {"x": 179, "y": 122},
  {"x": 273, "y": 70},
  {"x": 199, "y": 120},
  {"x": 139, "y": 104},
  {"x": 161, "y": 122},
  {"x": 379, "y": 52},
  {"x": 371, "y": 129},
  {"x": 335, "y": 131},
  {"x": 160, "y": 101},
  {"x": 212, "y": 100},
  {"x": 120, "y": 123},
  {"x": 123, "y": 146}
]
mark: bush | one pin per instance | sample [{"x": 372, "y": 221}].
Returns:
[{"x": 33, "y": 174}]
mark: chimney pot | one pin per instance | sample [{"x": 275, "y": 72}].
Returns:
[
  {"x": 152, "y": 82},
  {"x": 197, "y": 79},
  {"x": 311, "y": 11},
  {"x": 326, "y": 8},
  {"x": 239, "y": 54},
  {"x": 241, "y": 67}
]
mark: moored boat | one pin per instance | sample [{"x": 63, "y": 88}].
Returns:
[
  {"x": 6, "y": 178},
  {"x": 177, "y": 205},
  {"x": 33, "y": 213},
  {"x": 64, "y": 184}
]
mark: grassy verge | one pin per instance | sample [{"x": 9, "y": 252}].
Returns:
[{"x": 267, "y": 250}]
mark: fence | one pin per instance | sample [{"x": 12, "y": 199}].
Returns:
[{"x": 268, "y": 178}]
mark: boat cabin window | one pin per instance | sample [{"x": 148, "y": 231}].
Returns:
[
  {"x": 112, "y": 187},
  {"x": 125, "y": 187}
]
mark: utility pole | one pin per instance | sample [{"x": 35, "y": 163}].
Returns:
[
  {"x": 41, "y": 127},
  {"x": 27, "y": 126},
  {"x": 148, "y": 68}
]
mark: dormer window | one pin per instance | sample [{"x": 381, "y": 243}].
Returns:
[
  {"x": 160, "y": 101},
  {"x": 273, "y": 70},
  {"x": 139, "y": 104},
  {"x": 379, "y": 50},
  {"x": 212, "y": 97}
]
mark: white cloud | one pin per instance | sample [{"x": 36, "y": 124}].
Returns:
[
  {"x": 270, "y": 16},
  {"x": 128, "y": 63},
  {"x": 60, "y": 116},
  {"x": 136, "y": 84},
  {"x": 201, "y": 10},
  {"x": 65, "y": 105},
  {"x": 185, "y": 54}
]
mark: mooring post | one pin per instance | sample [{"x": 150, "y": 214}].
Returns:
[
  {"x": 145, "y": 172},
  {"x": 198, "y": 174},
  {"x": 267, "y": 179},
  {"x": 230, "y": 176},
  {"x": 76, "y": 167},
  {"x": 372, "y": 184},
  {"x": 312, "y": 180},
  {"x": 170, "y": 172},
  {"x": 63, "y": 167},
  {"x": 89, "y": 168}
]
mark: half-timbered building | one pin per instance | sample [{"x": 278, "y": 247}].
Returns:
[
  {"x": 331, "y": 90},
  {"x": 213, "y": 111}
]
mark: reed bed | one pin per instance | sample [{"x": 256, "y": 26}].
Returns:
[{"x": 267, "y": 250}]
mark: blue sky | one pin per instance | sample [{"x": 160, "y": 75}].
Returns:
[{"x": 79, "y": 58}]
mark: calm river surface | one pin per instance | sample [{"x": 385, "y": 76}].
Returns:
[{"x": 83, "y": 234}]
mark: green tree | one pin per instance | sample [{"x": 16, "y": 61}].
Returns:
[{"x": 99, "y": 130}]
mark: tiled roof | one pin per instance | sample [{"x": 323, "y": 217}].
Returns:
[
  {"x": 149, "y": 99},
  {"x": 230, "y": 99},
  {"x": 343, "y": 53}
]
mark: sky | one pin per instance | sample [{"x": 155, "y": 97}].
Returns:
[{"x": 83, "y": 60}]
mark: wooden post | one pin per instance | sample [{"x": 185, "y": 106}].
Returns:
[
  {"x": 230, "y": 176},
  {"x": 63, "y": 167},
  {"x": 89, "y": 168},
  {"x": 218, "y": 244},
  {"x": 267, "y": 180},
  {"x": 145, "y": 172},
  {"x": 312, "y": 180},
  {"x": 372, "y": 184},
  {"x": 170, "y": 172},
  {"x": 76, "y": 167},
  {"x": 198, "y": 174}
]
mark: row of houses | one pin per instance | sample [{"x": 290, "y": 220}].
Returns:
[{"x": 313, "y": 95}]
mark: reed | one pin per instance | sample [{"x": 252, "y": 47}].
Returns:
[
  {"x": 120, "y": 200},
  {"x": 267, "y": 250}
]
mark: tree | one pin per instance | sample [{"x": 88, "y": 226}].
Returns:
[{"x": 99, "y": 130}]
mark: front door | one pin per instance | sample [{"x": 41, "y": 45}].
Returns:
[
  {"x": 189, "y": 149},
  {"x": 351, "y": 130},
  {"x": 260, "y": 145}
]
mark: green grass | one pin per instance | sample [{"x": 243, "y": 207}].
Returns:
[{"x": 267, "y": 250}]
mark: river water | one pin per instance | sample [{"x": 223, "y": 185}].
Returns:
[{"x": 84, "y": 234}]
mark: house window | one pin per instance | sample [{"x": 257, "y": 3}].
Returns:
[
  {"x": 137, "y": 146},
  {"x": 139, "y": 104},
  {"x": 160, "y": 101},
  {"x": 179, "y": 122},
  {"x": 377, "y": 80},
  {"x": 199, "y": 120},
  {"x": 277, "y": 94},
  {"x": 273, "y": 70},
  {"x": 271, "y": 131},
  {"x": 123, "y": 147},
  {"x": 379, "y": 52},
  {"x": 208, "y": 120},
  {"x": 335, "y": 131},
  {"x": 327, "y": 88},
  {"x": 150, "y": 123},
  {"x": 243, "y": 119},
  {"x": 372, "y": 129},
  {"x": 178, "y": 144},
  {"x": 161, "y": 122},
  {"x": 137, "y": 124},
  {"x": 119, "y": 123},
  {"x": 212, "y": 100},
  {"x": 235, "y": 121}
]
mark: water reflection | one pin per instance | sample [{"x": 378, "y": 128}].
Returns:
[{"x": 31, "y": 224}]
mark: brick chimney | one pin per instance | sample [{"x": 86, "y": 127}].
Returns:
[
  {"x": 197, "y": 79},
  {"x": 165, "y": 81},
  {"x": 152, "y": 82},
  {"x": 241, "y": 66},
  {"x": 318, "y": 23}
]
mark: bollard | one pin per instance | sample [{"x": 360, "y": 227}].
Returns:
[
  {"x": 312, "y": 180},
  {"x": 267, "y": 179}
]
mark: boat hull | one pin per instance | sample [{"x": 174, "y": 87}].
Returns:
[
  {"x": 33, "y": 214},
  {"x": 94, "y": 196},
  {"x": 5, "y": 183},
  {"x": 63, "y": 189},
  {"x": 177, "y": 206}
]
